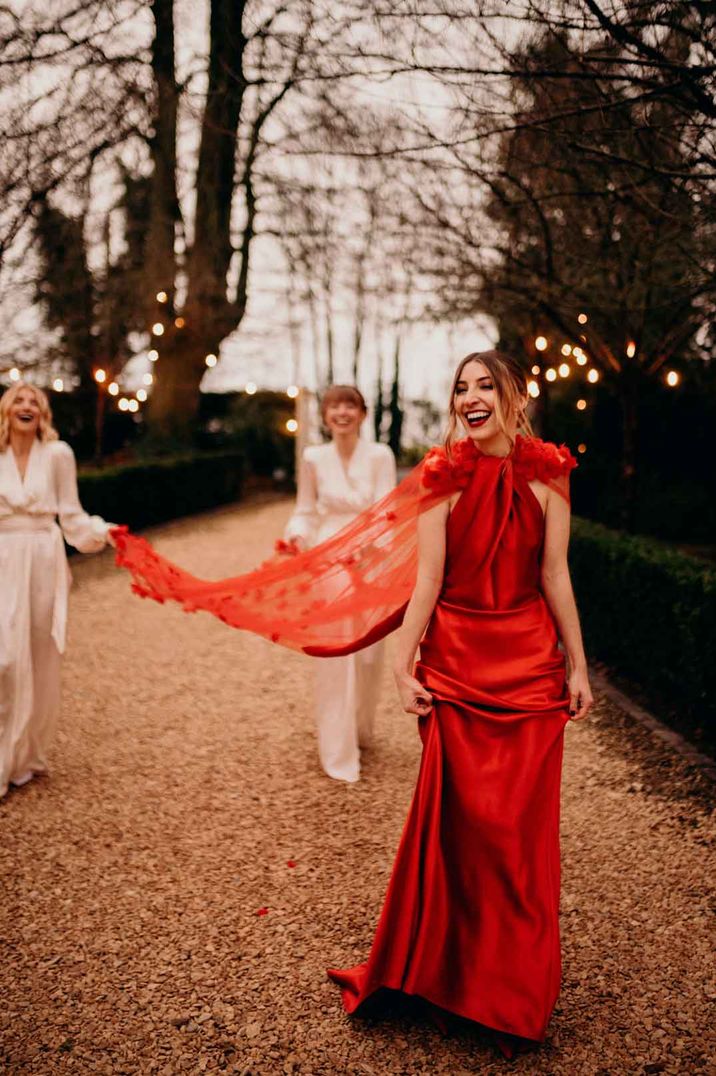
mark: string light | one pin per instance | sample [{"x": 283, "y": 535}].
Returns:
[
  {"x": 147, "y": 379},
  {"x": 593, "y": 376},
  {"x": 564, "y": 370},
  {"x": 250, "y": 388},
  {"x": 14, "y": 374},
  {"x": 292, "y": 392},
  {"x": 580, "y": 357},
  {"x": 153, "y": 355},
  {"x": 631, "y": 349},
  {"x": 132, "y": 406},
  {"x": 179, "y": 322},
  {"x": 581, "y": 405},
  {"x": 673, "y": 378},
  {"x": 141, "y": 395},
  {"x": 536, "y": 369},
  {"x": 58, "y": 384},
  {"x": 113, "y": 388},
  {"x": 581, "y": 449},
  {"x": 158, "y": 328},
  {"x": 541, "y": 343},
  {"x": 292, "y": 425},
  {"x": 162, "y": 296},
  {"x": 550, "y": 374},
  {"x": 100, "y": 376},
  {"x": 582, "y": 319},
  {"x": 533, "y": 389},
  {"x": 211, "y": 360},
  {"x": 123, "y": 404},
  {"x": 567, "y": 349}
]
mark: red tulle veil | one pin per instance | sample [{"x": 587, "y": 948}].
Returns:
[{"x": 352, "y": 589}]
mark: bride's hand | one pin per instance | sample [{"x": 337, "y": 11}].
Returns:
[
  {"x": 581, "y": 699},
  {"x": 413, "y": 697}
]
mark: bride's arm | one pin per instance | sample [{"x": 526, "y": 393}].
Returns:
[
  {"x": 431, "y": 567},
  {"x": 557, "y": 589}
]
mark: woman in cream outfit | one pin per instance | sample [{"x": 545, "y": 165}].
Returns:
[
  {"x": 38, "y": 484},
  {"x": 336, "y": 482}
]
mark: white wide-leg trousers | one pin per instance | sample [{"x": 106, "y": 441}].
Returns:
[{"x": 346, "y": 696}]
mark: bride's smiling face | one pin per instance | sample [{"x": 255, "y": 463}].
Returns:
[{"x": 475, "y": 401}]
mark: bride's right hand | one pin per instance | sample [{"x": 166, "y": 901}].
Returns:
[{"x": 413, "y": 697}]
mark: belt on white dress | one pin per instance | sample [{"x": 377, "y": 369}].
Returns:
[{"x": 23, "y": 523}]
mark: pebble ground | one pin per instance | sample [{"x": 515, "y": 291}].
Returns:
[{"x": 185, "y": 800}]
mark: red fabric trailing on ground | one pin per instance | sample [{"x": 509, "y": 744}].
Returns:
[{"x": 352, "y": 589}]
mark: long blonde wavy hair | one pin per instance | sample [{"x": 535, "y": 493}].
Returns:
[
  {"x": 45, "y": 430},
  {"x": 511, "y": 394}
]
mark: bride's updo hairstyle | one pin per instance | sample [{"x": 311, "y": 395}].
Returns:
[
  {"x": 336, "y": 394},
  {"x": 45, "y": 430},
  {"x": 511, "y": 395}
]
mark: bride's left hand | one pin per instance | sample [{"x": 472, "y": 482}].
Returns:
[{"x": 581, "y": 699}]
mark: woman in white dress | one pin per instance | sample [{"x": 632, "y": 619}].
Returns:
[
  {"x": 336, "y": 482},
  {"x": 38, "y": 484}
]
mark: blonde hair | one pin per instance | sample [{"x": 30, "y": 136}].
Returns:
[
  {"x": 45, "y": 430},
  {"x": 510, "y": 382}
]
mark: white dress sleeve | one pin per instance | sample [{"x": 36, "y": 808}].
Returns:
[
  {"x": 386, "y": 475},
  {"x": 86, "y": 533},
  {"x": 304, "y": 521}
]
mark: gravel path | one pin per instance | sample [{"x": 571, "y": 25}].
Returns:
[{"x": 185, "y": 799}]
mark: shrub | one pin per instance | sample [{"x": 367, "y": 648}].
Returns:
[
  {"x": 140, "y": 494},
  {"x": 649, "y": 613}
]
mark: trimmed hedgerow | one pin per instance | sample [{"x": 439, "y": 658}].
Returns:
[
  {"x": 141, "y": 494},
  {"x": 649, "y": 613}
]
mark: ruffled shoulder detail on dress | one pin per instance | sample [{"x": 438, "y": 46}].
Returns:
[
  {"x": 542, "y": 461},
  {"x": 444, "y": 471}
]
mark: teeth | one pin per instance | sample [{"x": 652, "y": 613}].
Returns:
[{"x": 474, "y": 416}]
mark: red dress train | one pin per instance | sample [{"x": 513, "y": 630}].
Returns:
[{"x": 470, "y": 920}]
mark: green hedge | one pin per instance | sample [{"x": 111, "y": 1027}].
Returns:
[
  {"x": 141, "y": 494},
  {"x": 649, "y": 613}
]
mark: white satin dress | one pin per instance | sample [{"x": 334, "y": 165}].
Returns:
[
  {"x": 330, "y": 495},
  {"x": 33, "y": 598}
]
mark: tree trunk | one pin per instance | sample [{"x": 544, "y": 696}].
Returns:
[
  {"x": 378, "y": 406},
  {"x": 160, "y": 268},
  {"x": 396, "y": 414},
  {"x": 629, "y": 399}
]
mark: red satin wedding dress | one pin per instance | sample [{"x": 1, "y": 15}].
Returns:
[{"x": 470, "y": 921}]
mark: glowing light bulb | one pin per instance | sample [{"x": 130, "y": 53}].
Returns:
[
  {"x": 292, "y": 392},
  {"x": 147, "y": 379},
  {"x": 123, "y": 404},
  {"x": 564, "y": 370},
  {"x": 158, "y": 328},
  {"x": 133, "y": 406},
  {"x": 631, "y": 349},
  {"x": 162, "y": 296},
  {"x": 211, "y": 360},
  {"x": 581, "y": 405},
  {"x": 533, "y": 389},
  {"x": 153, "y": 355},
  {"x": 673, "y": 378},
  {"x": 567, "y": 349},
  {"x": 550, "y": 374},
  {"x": 141, "y": 395},
  {"x": 593, "y": 376},
  {"x": 541, "y": 343},
  {"x": 58, "y": 384},
  {"x": 113, "y": 388},
  {"x": 250, "y": 388},
  {"x": 100, "y": 376},
  {"x": 580, "y": 357},
  {"x": 14, "y": 374},
  {"x": 582, "y": 319},
  {"x": 179, "y": 322},
  {"x": 581, "y": 449},
  {"x": 292, "y": 425}
]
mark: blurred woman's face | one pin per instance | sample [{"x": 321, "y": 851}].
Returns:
[
  {"x": 25, "y": 413},
  {"x": 343, "y": 417}
]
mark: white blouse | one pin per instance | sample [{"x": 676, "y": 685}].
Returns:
[
  {"x": 331, "y": 494},
  {"x": 29, "y": 508}
]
